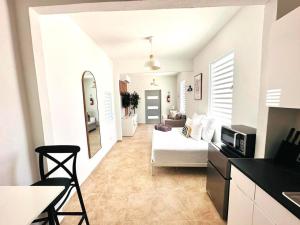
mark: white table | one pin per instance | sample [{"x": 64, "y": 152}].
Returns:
[{"x": 20, "y": 205}]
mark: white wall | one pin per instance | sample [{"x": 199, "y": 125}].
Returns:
[
  {"x": 140, "y": 83},
  {"x": 243, "y": 35},
  {"x": 189, "y": 80},
  {"x": 263, "y": 110},
  {"x": 64, "y": 71},
  {"x": 18, "y": 164}
]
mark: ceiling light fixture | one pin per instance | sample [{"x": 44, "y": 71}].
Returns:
[{"x": 152, "y": 63}]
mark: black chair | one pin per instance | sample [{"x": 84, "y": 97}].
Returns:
[{"x": 68, "y": 183}]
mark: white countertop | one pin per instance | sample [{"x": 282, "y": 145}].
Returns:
[{"x": 20, "y": 205}]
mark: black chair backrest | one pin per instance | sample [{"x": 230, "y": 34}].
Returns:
[{"x": 46, "y": 151}]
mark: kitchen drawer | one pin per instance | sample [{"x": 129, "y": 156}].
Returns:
[
  {"x": 244, "y": 183},
  {"x": 272, "y": 209},
  {"x": 218, "y": 190},
  {"x": 219, "y": 160}
]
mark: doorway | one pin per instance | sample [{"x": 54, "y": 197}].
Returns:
[{"x": 153, "y": 106}]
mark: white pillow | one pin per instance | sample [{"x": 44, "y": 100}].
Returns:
[
  {"x": 208, "y": 129},
  {"x": 188, "y": 122},
  {"x": 197, "y": 126}
]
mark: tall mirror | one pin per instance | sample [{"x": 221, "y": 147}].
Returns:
[{"x": 91, "y": 112}]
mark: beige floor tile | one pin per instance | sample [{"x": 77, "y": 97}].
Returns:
[{"x": 122, "y": 191}]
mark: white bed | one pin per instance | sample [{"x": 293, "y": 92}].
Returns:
[{"x": 172, "y": 149}]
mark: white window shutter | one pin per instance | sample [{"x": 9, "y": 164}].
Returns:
[
  {"x": 221, "y": 88},
  {"x": 182, "y": 97},
  {"x": 108, "y": 110}
]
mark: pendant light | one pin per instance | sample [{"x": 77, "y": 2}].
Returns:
[{"x": 152, "y": 63}]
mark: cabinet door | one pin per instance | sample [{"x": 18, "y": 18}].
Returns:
[
  {"x": 283, "y": 62},
  {"x": 240, "y": 209},
  {"x": 259, "y": 218}
]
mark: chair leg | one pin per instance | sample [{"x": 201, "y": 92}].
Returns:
[
  {"x": 56, "y": 219},
  {"x": 51, "y": 216},
  {"x": 81, "y": 203}
]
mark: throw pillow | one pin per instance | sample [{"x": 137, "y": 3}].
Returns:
[
  {"x": 189, "y": 130},
  {"x": 178, "y": 116},
  {"x": 209, "y": 129},
  {"x": 197, "y": 126},
  {"x": 173, "y": 114},
  {"x": 186, "y": 131},
  {"x": 162, "y": 128},
  {"x": 188, "y": 122}
]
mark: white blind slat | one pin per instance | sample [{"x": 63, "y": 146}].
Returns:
[
  {"x": 222, "y": 105},
  {"x": 229, "y": 101},
  {"x": 223, "y": 71},
  {"x": 221, "y": 88},
  {"x": 228, "y": 74},
  {"x": 222, "y": 91},
  {"x": 224, "y": 81},
  {"x": 222, "y": 66}
]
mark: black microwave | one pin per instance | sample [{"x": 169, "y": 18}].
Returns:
[{"x": 240, "y": 139}]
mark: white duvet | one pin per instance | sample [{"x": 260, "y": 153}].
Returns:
[{"x": 173, "y": 147}]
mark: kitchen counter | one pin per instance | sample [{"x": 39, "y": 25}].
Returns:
[{"x": 272, "y": 178}]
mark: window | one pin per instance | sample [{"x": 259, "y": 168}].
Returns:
[
  {"x": 182, "y": 97},
  {"x": 221, "y": 87},
  {"x": 108, "y": 111}
]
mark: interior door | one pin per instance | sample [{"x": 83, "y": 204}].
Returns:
[{"x": 153, "y": 106}]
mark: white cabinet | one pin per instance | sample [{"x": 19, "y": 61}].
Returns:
[
  {"x": 283, "y": 62},
  {"x": 241, "y": 196},
  {"x": 274, "y": 210},
  {"x": 259, "y": 218},
  {"x": 250, "y": 205},
  {"x": 240, "y": 207},
  {"x": 129, "y": 125},
  {"x": 244, "y": 183}
]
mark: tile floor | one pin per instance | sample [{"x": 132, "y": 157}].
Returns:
[{"x": 122, "y": 191}]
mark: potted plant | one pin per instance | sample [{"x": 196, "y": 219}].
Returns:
[
  {"x": 134, "y": 100},
  {"x": 125, "y": 101}
]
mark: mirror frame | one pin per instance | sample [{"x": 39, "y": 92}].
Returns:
[{"x": 85, "y": 112}]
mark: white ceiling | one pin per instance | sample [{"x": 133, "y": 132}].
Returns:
[
  {"x": 178, "y": 33},
  {"x": 154, "y": 74}
]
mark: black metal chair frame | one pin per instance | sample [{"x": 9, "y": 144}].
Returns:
[{"x": 52, "y": 210}]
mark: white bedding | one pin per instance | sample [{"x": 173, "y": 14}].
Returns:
[{"x": 172, "y": 148}]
